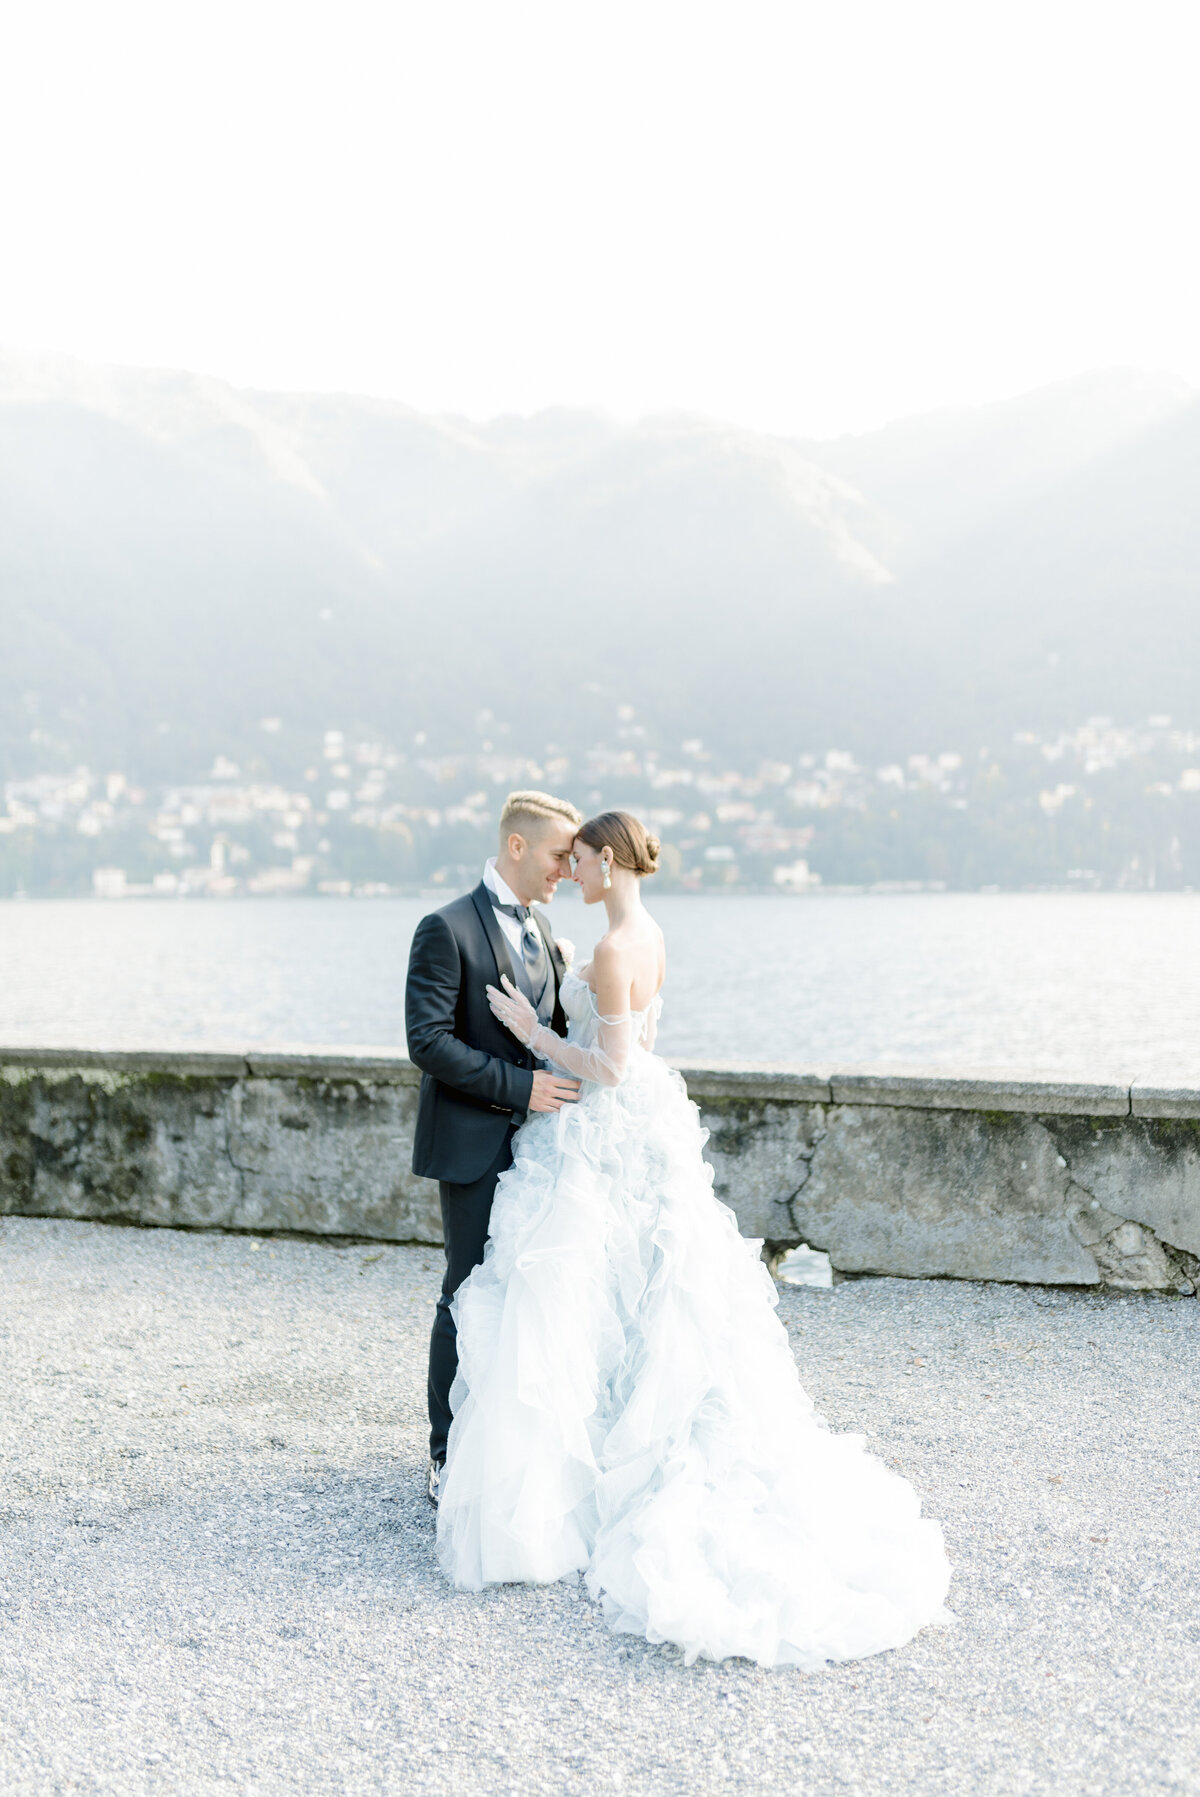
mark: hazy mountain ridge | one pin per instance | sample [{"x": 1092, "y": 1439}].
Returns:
[
  {"x": 942, "y": 475},
  {"x": 177, "y": 552},
  {"x": 1085, "y": 597}
]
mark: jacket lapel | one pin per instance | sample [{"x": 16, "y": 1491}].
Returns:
[
  {"x": 493, "y": 932},
  {"x": 500, "y": 951}
]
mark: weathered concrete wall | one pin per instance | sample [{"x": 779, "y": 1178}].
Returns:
[
  {"x": 984, "y": 1178},
  {"x": 313, "y": 1143}
]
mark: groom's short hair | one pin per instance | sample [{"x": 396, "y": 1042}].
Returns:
[{"x": 525, "y": 812}]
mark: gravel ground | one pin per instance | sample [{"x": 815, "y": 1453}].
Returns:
[{"x": 217, "y": 1570}]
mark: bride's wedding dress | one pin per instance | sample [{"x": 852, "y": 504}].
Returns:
[{"x": 627, "y": 1404}]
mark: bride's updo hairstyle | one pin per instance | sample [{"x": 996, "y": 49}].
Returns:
[{"x": 630, "y": 845}]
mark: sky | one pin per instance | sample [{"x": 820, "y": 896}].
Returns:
[{"x": 805, "y": 218}]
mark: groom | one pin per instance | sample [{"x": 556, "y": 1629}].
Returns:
[{"x": 477, "y": 1081}]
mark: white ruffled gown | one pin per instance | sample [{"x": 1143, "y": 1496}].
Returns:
[{"x": 627, "y": 1405}]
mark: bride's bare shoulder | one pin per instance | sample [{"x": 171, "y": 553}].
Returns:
[
  {"x": 618, "y": 946},
  {"x": 615, "y": 957},
  {"x": 634, "y": 955}
]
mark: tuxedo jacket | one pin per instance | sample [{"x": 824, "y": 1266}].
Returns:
[{"x": 475, "y": 1077}]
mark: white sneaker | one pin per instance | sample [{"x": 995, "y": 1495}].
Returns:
[{"x": 435, "y": 1479}]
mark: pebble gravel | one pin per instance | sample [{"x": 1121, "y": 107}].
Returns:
[{"x": 217, "y": 1569}]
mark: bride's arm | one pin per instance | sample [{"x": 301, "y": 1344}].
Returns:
[{"x": 606, "y": 1059}]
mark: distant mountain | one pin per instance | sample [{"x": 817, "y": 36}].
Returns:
[
  {"x": 179, "y": 559},
  {"x": 943, "y": 475},
  {"x": 1081, "y": 599}
]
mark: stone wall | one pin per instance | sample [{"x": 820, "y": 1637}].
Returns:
[{"x": 983, "y": 1178}]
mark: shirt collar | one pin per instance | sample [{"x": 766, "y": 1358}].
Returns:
[{"x": 503, "y": 891}]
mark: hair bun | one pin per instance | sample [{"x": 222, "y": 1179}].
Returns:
[{"x": 629, "y": 842}]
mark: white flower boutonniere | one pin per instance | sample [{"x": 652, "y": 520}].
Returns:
[{"x": 566, "y": 949}]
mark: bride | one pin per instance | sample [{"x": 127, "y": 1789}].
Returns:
[{"x": 626, "y": 1403}]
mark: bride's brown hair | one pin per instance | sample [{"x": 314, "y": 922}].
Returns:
[{"x": 626, "y": 837}]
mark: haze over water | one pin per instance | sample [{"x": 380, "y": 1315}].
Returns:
[{"x": 1099, "y": 985}]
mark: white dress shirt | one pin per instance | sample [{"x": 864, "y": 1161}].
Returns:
[
  {"x": 510, "y": 925},
  {"x": 504, "y": 892}
]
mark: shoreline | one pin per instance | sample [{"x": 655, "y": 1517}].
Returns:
[{"x": 444, "y": 894}]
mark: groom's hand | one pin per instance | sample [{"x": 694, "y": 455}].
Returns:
[{"x": 550, "y": 1092}]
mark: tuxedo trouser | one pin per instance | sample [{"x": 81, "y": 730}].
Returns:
[{"x": 466, "y": 1214}]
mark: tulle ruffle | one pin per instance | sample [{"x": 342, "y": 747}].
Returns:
[{"x": 627, "y": 1406}]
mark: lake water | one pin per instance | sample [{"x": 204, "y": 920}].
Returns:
[{"x": 1096, "y": 984}]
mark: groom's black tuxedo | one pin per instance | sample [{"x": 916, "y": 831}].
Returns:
[
  {"x": 476, "y": 1077},
  {"x": 476, "y": 1082}
]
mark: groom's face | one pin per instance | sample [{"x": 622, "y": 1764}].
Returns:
[{"x": 545, "y": 859}]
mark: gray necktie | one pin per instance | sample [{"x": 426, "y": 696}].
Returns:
[{"x": 533, "y": 949}]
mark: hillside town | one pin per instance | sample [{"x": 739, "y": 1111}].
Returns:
[{"x": 1105, "y": 805}]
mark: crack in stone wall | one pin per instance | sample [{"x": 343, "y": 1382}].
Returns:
[
  {"x": 807, "y": 1156},
  {"x": 239, "y": 1171},
  {"x": 1129, "y": 1254},
  {"x": 762, "y": 1153}
]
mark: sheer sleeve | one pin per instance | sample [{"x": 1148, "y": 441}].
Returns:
[{"x": 603, "y": 1061}]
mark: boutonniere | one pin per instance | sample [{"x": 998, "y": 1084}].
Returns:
[{"x": 566, "y": 949}]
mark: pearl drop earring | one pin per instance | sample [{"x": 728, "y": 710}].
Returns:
[{"x": 607, "y": 877}]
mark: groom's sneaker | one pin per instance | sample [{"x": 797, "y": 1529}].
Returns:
[{"x": 435, "y": 1479}]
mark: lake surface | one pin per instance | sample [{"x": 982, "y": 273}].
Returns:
[{"x": 1092, "y": 984}]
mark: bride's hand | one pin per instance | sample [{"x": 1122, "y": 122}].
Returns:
[{"x": 513, "y": 1010}]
